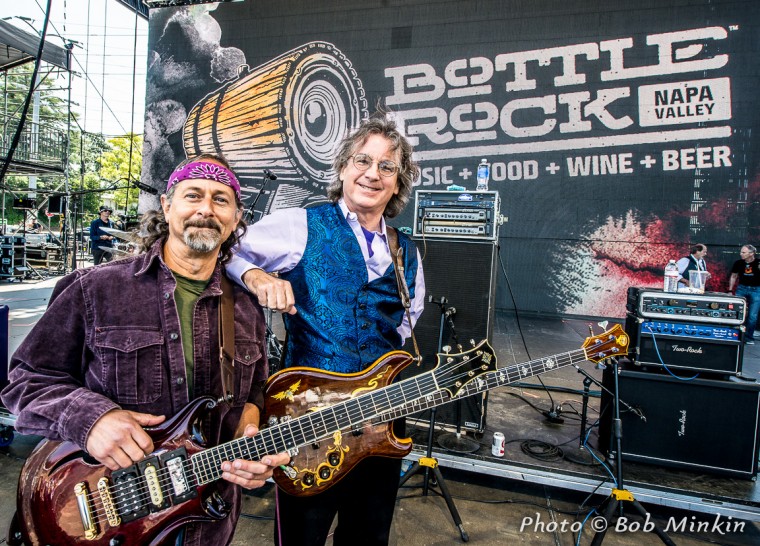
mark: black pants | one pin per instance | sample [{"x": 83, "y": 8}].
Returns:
[
  {"x": 364, "y": 501},
  {"x": 99, "y": 255}
]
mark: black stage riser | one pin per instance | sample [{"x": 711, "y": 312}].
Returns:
[
  {"x": 463, "y": 272},
  {"x": 704, "y": 425}
]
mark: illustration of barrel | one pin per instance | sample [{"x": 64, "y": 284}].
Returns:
[{"x": 287, "y": 115}]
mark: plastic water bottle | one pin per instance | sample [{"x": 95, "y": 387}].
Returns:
[
  {"x": 484, "y": 173},
  {"x": 671, "y": 277}
]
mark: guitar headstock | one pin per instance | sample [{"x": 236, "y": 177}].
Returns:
[
  {"x": 613, "y": 342},
  {"x": 454, "y": 371}
]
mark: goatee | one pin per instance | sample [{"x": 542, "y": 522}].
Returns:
[{"x": 203, "y": 240}]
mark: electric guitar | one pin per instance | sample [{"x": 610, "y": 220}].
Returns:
[{"x": 66, "y": 498}]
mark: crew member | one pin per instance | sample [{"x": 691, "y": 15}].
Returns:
[
  {"x": 695, "y": 261},
  {"x": 99, "y": 239},
  {"x": 113, "y": 373},
  {"x": 342, "y": 310},
  {"x": 745, "y": 276}
]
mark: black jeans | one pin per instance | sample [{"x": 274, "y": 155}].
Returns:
[{"x": 99, "y": 255}]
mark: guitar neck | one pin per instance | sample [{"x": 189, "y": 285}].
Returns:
[
  {"x": 397, "y": 400},
  {"x": 499, "y": 378},
  {"x": 314, "y": 426}
]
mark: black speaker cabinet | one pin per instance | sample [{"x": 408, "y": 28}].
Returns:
[
  {"x": 464, "y": 273},
  {"x": 704, "y": 425},
  {"x": 55, "y": 204}
]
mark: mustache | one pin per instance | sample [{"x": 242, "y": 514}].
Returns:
[{"x": 208, "y": 223}]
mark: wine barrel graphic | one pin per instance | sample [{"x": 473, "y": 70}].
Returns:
[{"x": 287, "y": 115}]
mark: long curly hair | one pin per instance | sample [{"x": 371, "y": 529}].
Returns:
[{"x": 153, "y": 225}]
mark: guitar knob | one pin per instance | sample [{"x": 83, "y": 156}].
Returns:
[
  {"x": 315, "y": 445},
  {"x": 324, "y": 472},
  {"x": 308, "y": 479},
  {"x": 446, "y": 349},
  {"x": 333, "y": 459}
]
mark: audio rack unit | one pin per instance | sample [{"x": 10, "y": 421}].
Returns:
[
  {"x": 710, "y": 307},
  {"x": 457, "y": 214}
]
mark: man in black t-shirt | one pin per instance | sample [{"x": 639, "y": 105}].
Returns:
[{"x": 746, "y": 272}]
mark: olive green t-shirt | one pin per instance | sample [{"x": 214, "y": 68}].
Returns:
[{"x": 186, "y": 295}]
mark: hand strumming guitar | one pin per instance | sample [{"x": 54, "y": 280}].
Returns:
[{"x": 118, "y": 440}]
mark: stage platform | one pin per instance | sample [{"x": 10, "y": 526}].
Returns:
[
  {"x": 495, "y": 496},
  {"x": 515, "y": 412}
]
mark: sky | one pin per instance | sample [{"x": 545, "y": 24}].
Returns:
[{"x": 104, "y": 35}]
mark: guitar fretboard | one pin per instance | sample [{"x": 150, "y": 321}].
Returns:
[
  {"x": 499, "y": 378},
  {"x": 314, "y": 426},
  {"x": 397, "y": 400}
]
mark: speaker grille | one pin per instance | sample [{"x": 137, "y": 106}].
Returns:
[
  {"x": 464, "y": 273},
  {"x": 703, "y": 425}
]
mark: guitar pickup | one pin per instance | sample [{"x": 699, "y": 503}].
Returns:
[
  {"x": 177, "y": 465},
  {"x": 151, "y": 471},
  {"x": 129, "y": 494}
]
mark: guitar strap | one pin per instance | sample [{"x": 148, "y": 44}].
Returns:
[
  {"x": 397, "y": 255},
  {"x": 227, "y": 339}
]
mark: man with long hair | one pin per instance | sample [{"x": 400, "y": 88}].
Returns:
[
  {"x": 136, "y": 340},
  {"x": 342, "y": 309}
]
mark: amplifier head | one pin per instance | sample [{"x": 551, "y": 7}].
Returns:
[{"x": 709, "y": 308}]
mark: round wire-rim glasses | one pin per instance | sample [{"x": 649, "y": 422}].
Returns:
[{"x": 385, "y": 167}]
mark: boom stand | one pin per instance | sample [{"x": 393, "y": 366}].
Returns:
[
  {"x": 619, "y": 495},
  {"x": 428, "y": 462}
]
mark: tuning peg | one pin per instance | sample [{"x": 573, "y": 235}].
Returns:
[
  {"x": 472, "y": 342},
  {"x": 590, "y": 330},
  {"x": 603, "y": 325},
  {"x": 446, "y": 349}
]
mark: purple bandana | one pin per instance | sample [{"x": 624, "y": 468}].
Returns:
[{"x": 208, "y": 171}]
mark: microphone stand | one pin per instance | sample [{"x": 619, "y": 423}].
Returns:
[
  {"x": 456, "y": 442},
  {"x": 429, "y": 463},
  {"x": 248, "y": 215},
  {"x": 274, "y": 348}
]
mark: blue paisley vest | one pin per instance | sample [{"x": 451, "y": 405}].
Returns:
[{"x": 344, "y": 323}]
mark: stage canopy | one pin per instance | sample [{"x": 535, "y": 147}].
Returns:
[{"x": 18, "y": 47}]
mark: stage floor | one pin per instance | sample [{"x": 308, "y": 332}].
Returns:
[
  {"x": 516, "y": 412},
  {"x": 496, "y": 497}
]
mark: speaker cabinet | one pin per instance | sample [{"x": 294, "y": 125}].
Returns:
[
  {"x": 56, "y": 204},
  {"x": 4, "y": 361},
  {"x": 464, "y": 273},
  {"x": 704, "y": 425}
]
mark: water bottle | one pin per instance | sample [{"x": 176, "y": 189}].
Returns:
[
  {"x": 671, "y": 277},
  {"x": 484, "y": 173}
]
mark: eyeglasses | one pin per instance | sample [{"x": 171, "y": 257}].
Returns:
[{"x": 385, "y": 168}]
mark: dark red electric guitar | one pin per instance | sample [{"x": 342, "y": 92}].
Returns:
[{"x": 66, "y": 498}]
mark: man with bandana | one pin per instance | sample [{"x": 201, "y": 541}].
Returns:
[{"x": 111, "y": 374}]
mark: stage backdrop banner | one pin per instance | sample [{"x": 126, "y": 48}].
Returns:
[{"x": 618, "y": 133}]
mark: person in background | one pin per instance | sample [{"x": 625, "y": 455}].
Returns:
[
  {"x": 695, "y": 261},
  {"x": 99, "y": 239},
  {"x": 745, "y": 277},
  {"x": 344, "y": 246},
  {"x": 111, "y": 374}
]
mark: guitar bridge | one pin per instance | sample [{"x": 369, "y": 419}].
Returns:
[{"x": 84, "y": 502}]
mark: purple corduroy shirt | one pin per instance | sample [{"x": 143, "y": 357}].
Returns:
[{"x": 110, "y": 338}]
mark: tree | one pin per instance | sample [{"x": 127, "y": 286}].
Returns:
[{"x": 118, "y": 167}]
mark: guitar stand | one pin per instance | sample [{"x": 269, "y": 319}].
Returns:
[
  {"x": 429, "y": 463},
  {"x": 619, "y": 496}
]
